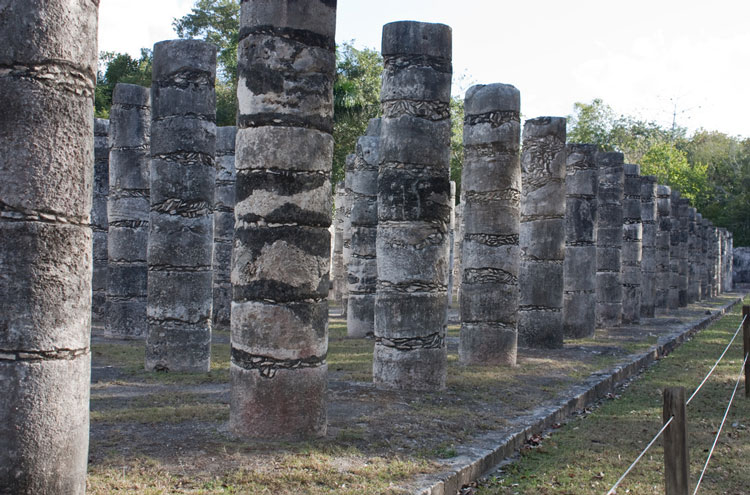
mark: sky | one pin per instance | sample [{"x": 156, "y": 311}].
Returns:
[{"x": 659, "y": 60}]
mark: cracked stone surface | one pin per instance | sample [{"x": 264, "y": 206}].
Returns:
[
  {"x": 609, "y": 239},
  {"x": 223, "y": 226},
  {"x": 632, "y": 242}
]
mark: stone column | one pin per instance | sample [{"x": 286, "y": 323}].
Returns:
[
  {"x": 729, "y": 285},
  {"x": 338, "y": 272},
  {"x": 707, "y": 257},
  {"x": 683, "y": 207},
  {"x": 694, "y": 280},
  {"x": 579, "y": 268},
  {"x": 452, "y": 246},
  {"x": 128, "y": 210},
  {"x": 673, "y": 299},
  {"x": 663, "y": 237},
  {"x": 281, "y": 241},
  {"x": 223, "y": 227},
  {"x": 609, "y": 239},
  {"x": 347, "y": 234},
  {"x": 458, "y": 243},
  {"x": 413, "y": 207},
  {"x": 363, "y": 266},
  {"x": 182, "y": 178},
  {"x": 99, "y": 221},
  {"x": 648, "y": 259},
  {"x": 542, "y": 234},
  {"x": 632, "y": 245},
  {"x": 49, "y": 63},
  {"x": 491, "y": 184},
  {"x": 701, "y": 254}
]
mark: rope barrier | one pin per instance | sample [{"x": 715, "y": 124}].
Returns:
[
  {"x": 718, "y": 434},
  {"x": 717, "y": 362},
  {"x": 612, "y": 490}
]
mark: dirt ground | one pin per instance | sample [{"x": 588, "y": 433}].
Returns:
[{"x": 166, "y": 432}]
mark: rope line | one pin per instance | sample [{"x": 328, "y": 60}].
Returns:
[
  {"x": 718, "y": 434},
  {"x": 612, "y": 490},
  {"x": 717, "y": 362}
]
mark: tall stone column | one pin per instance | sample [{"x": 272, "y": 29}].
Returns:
[
  {"x": 728, "y": 283},
  {"x": 663, "y": 248},
  {"x": 413, "y": 207},
  {"x": 649, "y": 257},
  {"x": 581, "y": 217},
  {"x": 609, "y": 239},
  {"x": 632, "y": 245},
  {"x": 719, "y": 273},
  {"x": 128, "y": 209},
  {"x": 223, "y": 226},
  {"x": 673, "y": 299},
  {"x": 363, "y": 266},
  {"x": 452, "y": 246},
  {"x": 542, "y": 233},
  {"x": 694, "y": 280},
  {"x": 281, "y": 258},
  {"x": 491, "y": 183},
  {"x": 99, "y": 221},
  {"x": 347, "y": 235},
  {"x": 338, "y": 269},
  {"x": 49, "y": 63},
  {"x": 182, "y": 178},
  {"x": 684, "y": 252},
  {"x": 458, "y": 243},
  {"x": 701, "y": 254},
  {"x": 710, "y": 267}
]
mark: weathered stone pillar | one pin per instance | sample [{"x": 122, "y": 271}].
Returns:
[
  {"x": 728, "y": 282},
  {"x": 413, "y": 207},
  {"x": 338, "y": 269},
  {"x": 694, "y": 280},
  {"x": 452, "y": 246},
  {"x": 648, "y": 259},
  {"x": 458, "y": 242},
  {"x": 281, "y": 241},
  {"x": 663, "y": 237},
  {"x": 632, "y": 245},
  {"x": 673, "y": 299},
  {"x": 223, "y": 227},
  {"x": 542, "y": 235},
  {"x": 579, "y": 268},
  {"x": 49, "y": 63},
  {"x": 708, "y": 292},
  {"x": 128, "y": 210},
  {"x": 491, "y": 184},
  {"x": 609, "y": 239},
  {"x": 99, "y": 221},
  {"x": 347, "y": 236},
  {"x": 363, "y": 266},
  {"x": 701, "y": 253},
  {"x": 683, "y": 207},
  {"x": 182, "y": 178}
]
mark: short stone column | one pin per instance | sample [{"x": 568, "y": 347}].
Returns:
[
  {"x": 281, "y": 256},
  {"x": 632, "y": 245},
  {"x": 649, "y": 257},
  {"x": 673, "y": 298},
  {"x": 609, "y": 239},
  {"x": 663, "y": 248},
  {"x": 49, "y": 62},
  {"x": 491, "y": 190},
  {"x": 581, "y": 217},
  {"x": 413, "y": 207},
  {"x": 684, "y": 252},
  {"x": 363, "y": 266},
  {"x": 338, "y": 272},
  {"x": 223, "y": 227},
  {"x": 542, "y": 233},
  {"x": 128, "y": 211},
  {"x": 182, "y": 178},
  {"x": 99, "y": 224},
  {"x": 694, "y": 280}
]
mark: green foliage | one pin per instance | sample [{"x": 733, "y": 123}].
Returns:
[
  {"x": 119, "y": 68},
  {"x": 356, "y": 100},
  {"x": 670, "y": 165}
]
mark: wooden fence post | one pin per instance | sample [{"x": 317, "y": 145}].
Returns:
[
  {"x": 676, "y": 474},
  {"x": 746, "y": 346}
]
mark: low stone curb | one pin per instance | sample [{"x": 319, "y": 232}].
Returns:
[{"x": 489, "y": 451}]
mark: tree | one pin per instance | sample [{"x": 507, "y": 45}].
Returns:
[
  {"x": 457, "y": 142},
  {"x": 119, "y": 67}
]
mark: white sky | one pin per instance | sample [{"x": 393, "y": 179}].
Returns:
[{"x": 642, "y": 57}]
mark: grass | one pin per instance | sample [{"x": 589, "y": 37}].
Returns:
[{"x": 587, "y": 455}]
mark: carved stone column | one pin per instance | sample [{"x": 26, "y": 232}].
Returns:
[
  {"x": 632, "y": 245},
  {"x": 650, "y": 232},
  {"x": 609, "y": 240}
]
